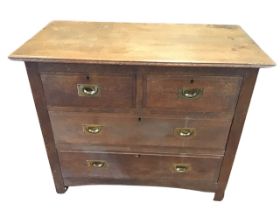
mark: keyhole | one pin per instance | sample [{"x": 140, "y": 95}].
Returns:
[
  {"x": 139, "y": 119},
  {"x": 137, "y": 155}
]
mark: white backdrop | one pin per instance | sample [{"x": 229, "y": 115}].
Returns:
[{"x": 25, "y": 177}]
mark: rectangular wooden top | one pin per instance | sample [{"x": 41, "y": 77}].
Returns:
[{"x": 138, "y": 43}]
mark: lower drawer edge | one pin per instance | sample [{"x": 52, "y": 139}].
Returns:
[
  {"x": 152, "y": 150},
  {"x": 192, "y": 185}
]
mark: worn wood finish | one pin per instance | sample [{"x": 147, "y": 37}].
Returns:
[
  {"x": 61, "y": 90},
  {"x": 40, "y": 103},
  {"x": 236, "y": 130},
  {"x": 140, "y": 69},
  {"x": 164, "y": 92},
  {"x": 140, "y": 167},
  {"x": 126, "y": 43},
  {"x": 209, "y": 134}
]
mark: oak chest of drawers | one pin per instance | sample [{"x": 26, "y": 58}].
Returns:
[{"x": 145, "y": 104}]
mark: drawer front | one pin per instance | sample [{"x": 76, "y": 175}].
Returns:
[
  {"x": 94, "y": 90},
  {"x": 191, "y": 93},
  {"x": 135, "y": 166},
  {"x": 114, "y": 130}
]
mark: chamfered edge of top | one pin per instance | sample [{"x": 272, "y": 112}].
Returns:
[{"x": 41, "y": 58}]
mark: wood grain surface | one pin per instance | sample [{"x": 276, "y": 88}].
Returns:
[
  {"x": 149, "y": 44},
  {"x": 143, "y": 167},
  {"x": 140, "y": 84},
  {"x": 209, "y": 134},
  {"x": 163, "y": 92},
  {"x": 115, "y": 91},
  {"x": 40, "y": 103}
]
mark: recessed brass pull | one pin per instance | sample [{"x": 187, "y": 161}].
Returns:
[
  {"x": 96, "y": 163},
  {"x": 88, "y": 90},
  {"x": 93, "y": 129},
  {"x": 190, "y": 93},
  {"x": 181, "y": 168},
  {"x": 185, "y": 132}
]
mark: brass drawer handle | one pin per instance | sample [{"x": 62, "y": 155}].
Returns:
[
  {"x": 88, "y": 90},
  {"x": 96, "y": 163},
  {"x": 181, "y": 168},
  {"x": 93, "y": 129},
  {"x": 190, "y": 93},
  {"x": 185, "y": 132}
]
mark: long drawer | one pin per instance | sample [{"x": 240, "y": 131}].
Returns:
[
  {"x": 139, "y": 167},
  {"x": 87, "y": 128}
]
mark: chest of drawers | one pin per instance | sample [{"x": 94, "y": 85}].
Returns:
[{"x": 143, "y": 104}]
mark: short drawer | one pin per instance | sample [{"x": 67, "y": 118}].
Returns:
[
  {"x": 139, "y": 166},
  {"x": 114, "y": 130},
  {"x": 188, "y": 93},
  {"x": 94, "y": 90}
]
